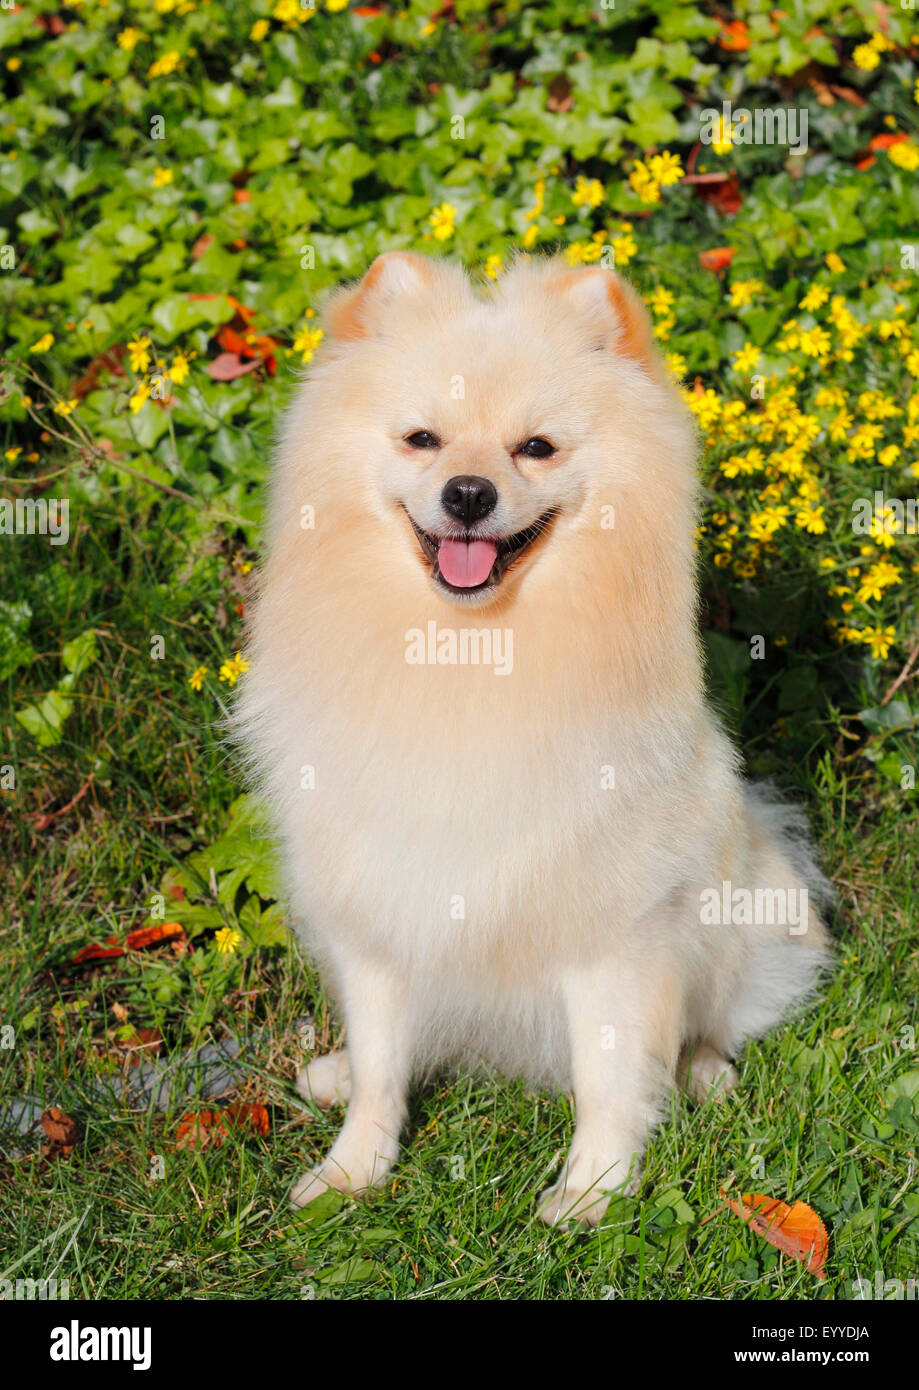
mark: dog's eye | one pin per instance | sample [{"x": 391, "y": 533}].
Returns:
[
  {"x": 537, "y": 449},
  {"x": 423, "y": 439}
]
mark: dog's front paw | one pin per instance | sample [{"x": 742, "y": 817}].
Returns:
[
  {"x": 583, "y": 1188},
  {"x": 359, "y": 1159},
  {"x": 326, "y": 1080},
  {"x": 561, "y": 1204}
]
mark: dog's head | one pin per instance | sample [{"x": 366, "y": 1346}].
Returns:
[{"x": 492, "y": 431}]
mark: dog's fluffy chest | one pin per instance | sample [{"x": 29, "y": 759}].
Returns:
[{"x": 442, "y": 827}]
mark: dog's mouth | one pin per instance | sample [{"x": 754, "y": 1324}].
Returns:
[{"x": 467, "y": 563}]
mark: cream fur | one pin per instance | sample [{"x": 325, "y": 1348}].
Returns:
[{"x": 438, "y": 783}]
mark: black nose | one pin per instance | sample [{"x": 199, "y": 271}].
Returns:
[{"x": 469, "y": 498}]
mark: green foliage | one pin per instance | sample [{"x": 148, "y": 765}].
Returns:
[{"x": 181, "y": 170}]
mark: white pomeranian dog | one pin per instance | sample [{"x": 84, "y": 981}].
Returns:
[{"x": 513, "y": 831}]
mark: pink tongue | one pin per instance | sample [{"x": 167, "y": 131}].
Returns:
[{"x": 466, "y": 563}]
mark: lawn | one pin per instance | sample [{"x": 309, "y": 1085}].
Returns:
[{"x": 183, "y": 184}]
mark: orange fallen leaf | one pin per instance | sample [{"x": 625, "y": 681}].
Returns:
[
  {"x": 796, "y": 1230},
  {"x": 143, "y": 1040},
  {"x": 848, "y": 94},
  {"x": 109, "y": 361},
  {"x": 202, "y": 245},
  {"x": 204, "y": 1129},
  {"x": 245, "y": 1114},
  {"x": 724, "y": 196},
  {"x": 137, "y": 940},
  {"x": 718, "y": 258},
  {"x": 735, "y": 36},
  {"x": 61, "y": 1132},
  {"x": 884, "y": 142},
  {"x": 561, "y": 95},
  {"x": 96, "y": 952},
  {"x": 227, "y": 366},
  {"x": 232, "y": 341},
  {"x": 143, "y": 937}
]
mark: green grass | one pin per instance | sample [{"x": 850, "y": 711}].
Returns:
[
  {"x": 814, "y": 1117},
  {"x": 340, "y": 131}
]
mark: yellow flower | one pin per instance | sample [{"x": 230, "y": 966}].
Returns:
[
  {"x": 624, "y": 248},
  {"x": 139, "y": 354},
  {"x": 815, "y": 296},
  {"x": 747, "y": 358},
  {"x": 44, "y": 343},
  {"x": 810, "y": 519},
  {"x": 178, "y": 368},
  {"x": 676, "y": 363},
  {"x": 815, "y": 342},
  {"x": 588, "y": 193},
  {"x": 764, "y": 524},
  {"x": 879, "y": 639},
  {"x": 336, "y": 5},
  {"x": 226, "y": 940},
  {"x": 742, "y": 292},
  {"x": 706, "y": 407},
  {"x": 259, "y": 30},
  {"x": 232, "y": 669},
  {"x": 129, "y": 38},
  {"x": 196, "y": 679},
  {"x": 722, "y": 136},
  {"x": 165, "y": 65},
  {"x": 905, "y": 154},
  {"x": 13, "y": 453},
  {"x": 660, "y": 300},
  {"x": 665, "y": 168},
  {"x": 66, "y": 407},
  {"x": 742, "y": 464},
  {"x": 493, "y": 267},
  {"x": 643, "y": 183},
  {"x": 13, "y": 64},
  {"x": 878, "y": 578},
  {"x": 140, "y": 397},
  {"x": 865, "y": 57},
  {"x": 540, "y": 194},
  {"x": 161, "y": 177},
  {"x": 835, "y": 264},
  {"x": 442, "y": 219},
  {"x": 307, "y": 341},
  {"x": 889, "y": 455}
]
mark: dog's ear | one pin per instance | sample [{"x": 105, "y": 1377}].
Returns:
[
  {"x": 354, "y": 312},
  {"x": 614, "y": 311}
]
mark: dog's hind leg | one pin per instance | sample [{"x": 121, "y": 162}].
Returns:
[
  {"x": 326, "y": 1080},
  {"x": 703, "y": 1072}
]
